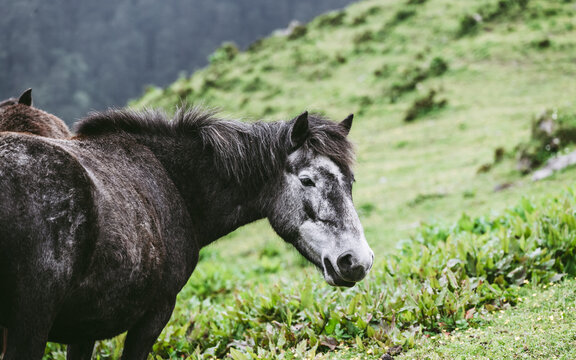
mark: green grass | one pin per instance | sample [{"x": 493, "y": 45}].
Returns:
[
  {"x": 253, "y": 297},
  {"x": 541, "y": 326},
  {"x": 443, "y": 280}
]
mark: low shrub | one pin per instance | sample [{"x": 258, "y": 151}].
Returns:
[
  {"x": 471, "y": 23},
  {"x": 255, "y": 46},
  {"x": 414, "y": 75},
  {"x": 543, "y": 43},
  {"x": 331, "y": 19},
  {"x": 363, "y": 36},
  {"x": 403, "y": 15},
  {"x": 422, "y": 198},
  {"x": 224, "y": 53},
  {"x": 359, "y": 20},
  {"x": 297, "y": 32},
  {"x": 438, "y": 66},
  {"x": 424, "y": 105},
  {"x": 552, "y": 131}
]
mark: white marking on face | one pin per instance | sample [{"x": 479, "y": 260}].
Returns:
[{"x": 331, "y": 236}]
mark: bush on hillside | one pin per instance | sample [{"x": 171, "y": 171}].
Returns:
[
  {"x": 471, "y": 23},
  {"x": 255, "y": 46},
  {"x": 364, "y": 36},
  {"x": 551, "y": 132},
  {"x": 414, "y": 75},
  {"x": 424, "y": 105},
  {"x": 543, "y": 43},
  {"x": 331, "y": 19},
  {"x": 297, "y": 32},
  {"x": 224, "y": 53},
  {"x": 438, "y": 66},
  {"x": 402, "y": 15}
]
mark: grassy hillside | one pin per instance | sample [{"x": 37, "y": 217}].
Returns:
[
  {"x": 376, "y": 59},
  {"x": 437, "y": 86}
]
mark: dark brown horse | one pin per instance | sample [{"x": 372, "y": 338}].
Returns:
[
  {"x": 99, "y": 233},
  {"x": 19, "y": 115}
]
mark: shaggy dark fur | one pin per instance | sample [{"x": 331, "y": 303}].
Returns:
[
  {"x": 20, "y": 116},
  {"x": 99, "y": 233}
]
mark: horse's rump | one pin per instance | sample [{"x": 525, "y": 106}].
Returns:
[{"x": 42, "y": 226}]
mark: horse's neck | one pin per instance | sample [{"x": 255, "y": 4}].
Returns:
[{"x": 217, "y": 204}]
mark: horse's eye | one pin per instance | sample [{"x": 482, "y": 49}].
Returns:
[{"x": 306, "y": 181}]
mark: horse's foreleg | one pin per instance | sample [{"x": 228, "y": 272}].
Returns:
[
  {"x": 4, "y": 340},
  {"x": 144, "y": 333},
  {"x": 26, "y": 342},
  {"x": 81, "y": 351}
]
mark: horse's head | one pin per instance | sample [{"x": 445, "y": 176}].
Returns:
[
  {"x": 25, "y": 99},
  {"x": 313, "y": 207}
]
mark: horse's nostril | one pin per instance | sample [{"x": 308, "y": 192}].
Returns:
[
  {"x": 344, "y": 262},
  {"x": 349, "y": 269}
]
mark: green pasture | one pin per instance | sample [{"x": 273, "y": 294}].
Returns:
[{"x": 465, "y": 258}]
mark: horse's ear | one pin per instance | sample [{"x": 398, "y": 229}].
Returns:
[
  {"x": 347, "y": 123},
  {"x": 300, "y": 130},
  {"x": 26, "y": 98}
]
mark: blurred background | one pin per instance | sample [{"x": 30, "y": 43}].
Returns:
[
  {"x": 87, "y": 55},
  {"x": 465, "y": 134}
]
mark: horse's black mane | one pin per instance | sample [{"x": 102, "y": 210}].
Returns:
[{"x": 236, "y": 144}]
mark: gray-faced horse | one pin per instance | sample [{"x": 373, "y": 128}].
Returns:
[
  {"x": 20, "y": 116},
  {"x": 99, "y": 233}
]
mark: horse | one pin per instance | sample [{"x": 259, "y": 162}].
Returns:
[
  {"x": 100, "y": 232},
  {"x": 20, "y": 116}
]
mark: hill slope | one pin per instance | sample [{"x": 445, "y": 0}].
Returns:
[{"x": 496, "y": 63}]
